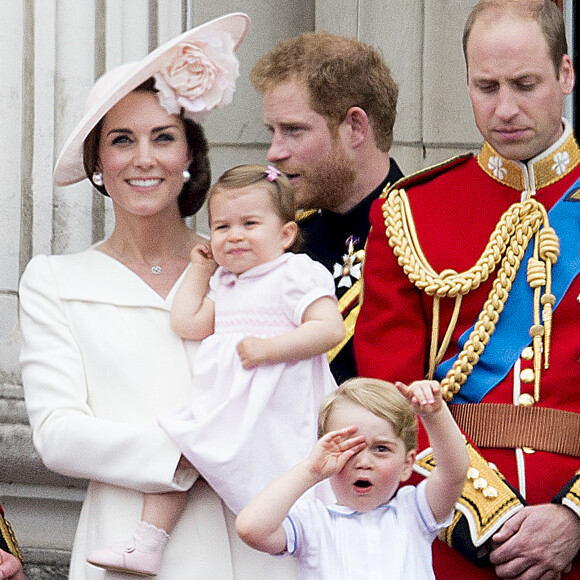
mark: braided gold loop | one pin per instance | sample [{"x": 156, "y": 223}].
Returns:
[
  {"x": 548, "y": 301},
  {"x": 549, "y": 245},
  {"x": 536, "y": 273},
  {"x": 537, "y": 332},
  {"x": 549, "y": 250},
  {"x": 485, "y": 325},
  {"x": 402, "y": 237},
  {"x": 507, "y": 244}
]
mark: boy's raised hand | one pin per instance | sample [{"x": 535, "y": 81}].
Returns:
[
  {"x": 259, "y": 524},
  {"x": 333, "y": 450},
  {"x": 424, "y": 396}
]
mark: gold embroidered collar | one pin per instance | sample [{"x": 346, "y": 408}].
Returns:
[{"x": 543, "y": 170}]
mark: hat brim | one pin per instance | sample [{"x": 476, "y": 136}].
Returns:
[{"x": 69, "y": 167}]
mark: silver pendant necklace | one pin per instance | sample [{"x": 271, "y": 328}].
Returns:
[{"x": 155, "y": 269}]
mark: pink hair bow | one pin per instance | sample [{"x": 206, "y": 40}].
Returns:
[{"x": 272, "y": 173}]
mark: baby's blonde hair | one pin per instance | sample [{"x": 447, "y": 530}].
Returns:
[{"x": 381, "y": 398}]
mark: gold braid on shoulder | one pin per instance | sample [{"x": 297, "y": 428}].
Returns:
[{"x": 517, "y": 226}]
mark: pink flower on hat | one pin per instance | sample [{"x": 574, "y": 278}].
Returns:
[{"x": 201, "y": 77}]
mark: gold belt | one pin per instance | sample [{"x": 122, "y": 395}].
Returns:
[{"x": 511, "y": 426}]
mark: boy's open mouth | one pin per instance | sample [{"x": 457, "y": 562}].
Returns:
[{"x": 362, "y": 483}]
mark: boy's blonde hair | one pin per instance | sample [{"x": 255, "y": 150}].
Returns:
[
  {"x": 381, "y": 398},
  {"x": 279, "y": 189}
]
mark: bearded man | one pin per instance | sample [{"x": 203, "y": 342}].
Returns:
[{"x": 330, "y": 104}]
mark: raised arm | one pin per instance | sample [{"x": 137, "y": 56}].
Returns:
[
  {"x": 322, "y": 328},
  {"x": 259, "y": 524},
  {"x": 192, "y": 313},
  {"x": 446, "y": 481}
]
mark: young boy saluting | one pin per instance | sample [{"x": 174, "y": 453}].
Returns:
[{"x": 367, "y": 431}]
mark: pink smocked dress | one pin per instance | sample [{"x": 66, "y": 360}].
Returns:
[{"x": 244, "y": 428}]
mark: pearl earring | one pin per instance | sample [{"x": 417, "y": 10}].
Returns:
[
  {"x": 98, "y": 178},
  {"x": 186, "y": 176}
]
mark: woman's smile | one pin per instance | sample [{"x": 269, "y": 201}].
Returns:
[
  {"x": 151, "y": 182},
  {"x": 143, "y": 150}
]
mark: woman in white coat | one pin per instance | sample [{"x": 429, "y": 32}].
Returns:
[{"x": 99, "y": 358}]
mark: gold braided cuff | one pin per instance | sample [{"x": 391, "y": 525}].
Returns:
[
  {"x": 8, "y": 539},
  {"x": 486, "y": 503},
  {"x": 570, "y": 495}
]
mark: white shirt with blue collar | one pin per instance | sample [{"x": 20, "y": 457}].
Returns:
[{"x": 392, "y": 541}]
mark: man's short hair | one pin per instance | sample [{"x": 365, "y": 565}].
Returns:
[
  {"x": 544, "y": 12},
  {"x": 339, "y": 72}
]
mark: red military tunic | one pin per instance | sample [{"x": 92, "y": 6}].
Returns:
[{"x": 455, "y": 208}]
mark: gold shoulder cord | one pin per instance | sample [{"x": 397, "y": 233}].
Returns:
[{"x": 508, "y": 242}]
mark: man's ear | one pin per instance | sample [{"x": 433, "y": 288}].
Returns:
[
  {"x": 566, "y": 75},
  {"x": 289, "y": 233},
  {"x": 359, "y": 125}
]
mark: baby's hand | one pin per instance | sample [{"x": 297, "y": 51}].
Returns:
[
  {"x": 424, "y": 396},
  {"x": 202, "y": 258},
  {"x": 252, "y": 351},
  {"x": 333, "y": 450}
]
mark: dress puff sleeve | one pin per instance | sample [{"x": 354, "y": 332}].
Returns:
[
  {"x": 83, "y": 426},
  {"x": 305, "y": 281}
]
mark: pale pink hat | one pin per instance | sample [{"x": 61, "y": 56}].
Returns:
[{"x": 195, "y": 71}]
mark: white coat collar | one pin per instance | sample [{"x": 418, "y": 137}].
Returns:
[{"x": 92, "y": 276}]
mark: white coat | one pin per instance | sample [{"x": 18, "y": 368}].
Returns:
[{"x": 99, "y": 363}]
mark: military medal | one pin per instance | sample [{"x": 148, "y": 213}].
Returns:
[{"x": 351, "y": 266}]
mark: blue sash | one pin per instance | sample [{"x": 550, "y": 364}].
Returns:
[{"x": 511, "y": 334}]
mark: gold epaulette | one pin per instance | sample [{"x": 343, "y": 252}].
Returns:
[
  {"x": 427, "y": 174},
  {"x": 303, "y": 214},
  {"x": 8, "y": 538},
  {"x": 486, "y": 503}
]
